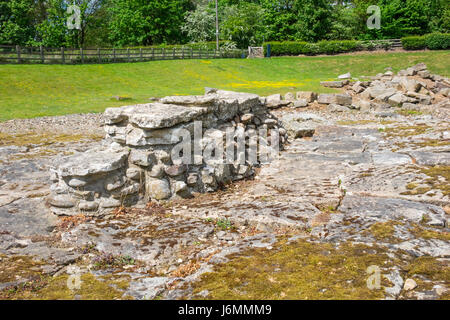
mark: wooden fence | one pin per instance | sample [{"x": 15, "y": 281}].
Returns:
[{"x": 23, "y": 55}]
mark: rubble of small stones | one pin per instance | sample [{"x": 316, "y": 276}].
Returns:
[
  {"x": 135, "y": 163},
  {"x": 413, "y": 89}
]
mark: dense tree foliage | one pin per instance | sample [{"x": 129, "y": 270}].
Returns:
[{"x": 244, "y": 22}]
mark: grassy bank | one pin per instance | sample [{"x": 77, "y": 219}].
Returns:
[{"x": 28, "y": 91}]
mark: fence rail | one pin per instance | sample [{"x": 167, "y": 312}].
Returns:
[{"x": 43, "y": 55}]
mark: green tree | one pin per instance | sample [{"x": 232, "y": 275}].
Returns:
[
  {"x": 200, "y": 24},
  {"x": 344, "y": 25},
  {"x": 314, "y": 19},
  {"x": 401, "y": 18},
  {"x": 53, "y": 31},
  {"x": 280, "y": 19},
  {"x": 16, "y": 21},
  {"x": 242, "y": 24},
  {"x": 307, "y": 20},
  {"x": 142, "y": 22}
]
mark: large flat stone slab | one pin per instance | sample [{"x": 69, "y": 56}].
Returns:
[
  {"x": 153, "y": 115},
  {"x": 93, "y": 162}
]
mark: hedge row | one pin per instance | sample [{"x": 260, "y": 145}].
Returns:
[
  {"x": 323, "y": 47},
  {"x": 211, "y": 45},
  {"x": 432, "y": 41}
]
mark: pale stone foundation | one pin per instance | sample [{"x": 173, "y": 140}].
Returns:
[{"x": 136, "y": 164}]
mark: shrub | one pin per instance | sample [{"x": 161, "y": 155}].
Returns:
[
  {"x": 300, "y": 47},
  {"x": 414, "y": 43},
  {"x": 367, "y": 45},
  {"x": 286, "y": 48},
  {"x": 335, "y": 46},
  {"x": 432, "y": 41},
  {"x": 438, "y": 41}
]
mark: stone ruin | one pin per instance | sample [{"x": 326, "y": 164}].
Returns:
[
  {"x": 413, "y": 89},
  {"x": 135, "y": 162}
]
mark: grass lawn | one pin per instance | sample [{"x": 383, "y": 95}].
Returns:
[{"x": 28, "y": 91}]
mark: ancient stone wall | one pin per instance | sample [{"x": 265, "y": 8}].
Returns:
[{"x": 168, "y": 149}]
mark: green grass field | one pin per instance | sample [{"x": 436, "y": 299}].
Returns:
[{"x": 28, "y": 91}]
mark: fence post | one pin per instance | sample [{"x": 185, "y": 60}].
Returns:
[
  {"x": 164, "y": 53},
  {"x": 128, "y": 54},
  {"x": 114, "y": 54},
  {"x": 192, "y": 53},
  {"x": 82, "y": 55},
  {"x": 99, "y": 55},
  {"x": 63, "y": 58},
  {"x": 140, "y": 54},
  {"x": 41, "y": 51},
  {"x": 173, "y": 53},
  {"x": 18, "y": 54},
  {"x": 268, "y": 50},
  {"x": 153, "y": 53}
]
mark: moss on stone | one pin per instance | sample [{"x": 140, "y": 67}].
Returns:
[
  {"x": 421, "y": 232},
  {"x": 298, "y": 270},
  {"x": 91, "y": 288},
  {"x": 439, "y": 179},
  {"x": 406, "y": 131},
  {"x": 16, "y": 268},
  {"x": 384, "y": 230},
  {"x": 430, "y": 267},
  {"x": 43, "y": 139}
]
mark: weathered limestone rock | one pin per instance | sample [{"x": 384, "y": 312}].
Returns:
[
  {"x": 110, "y": 203},
  {"x": 397, "y": 100},
  {"x": 390, "y": 158},
  {"x": 158, "y": 189},
  {"x": 337, "y": 108},
  {"x": 88, "y": 205},
  {"x": 357, "y": 87},
  {"x": 77, "y": 183},
  {"x": 275, "y": 101},
  {"x": 347, "y": 75},
  {"x": 190, "y": 100},
  {"x": 192, "y": 179},
  {"x": 142, "y": 158},
  {"x": 410, "y": 85},
  {"x": 154, "y": 116},
  {"x": 420, "y": 67},
  {"x": 157, "y": 171},
  {"x": 246, "y": 118},
  {"x": 300, "y": 125},
  {"x": 410, "y": 284},
  {"x": 114, "y": 183},
  {"x": 309, "y": 96},
  {"x": 134, "y": 173},
  {"x": 362, "y": 105},
  {"x": 424, "y": 74},
  {"x": 334, "y": 84},
  {"x": 382, "y": 94},
  {"x": 145, "y": 138},
  {"x": 301, "y": 103},
  {"x": 176, "y": 170},
  {"x": 342, "y": 99},
  {"x": 61, "y": 201},
  {"x": 93, "y": 162},
  {"x": 289, "y": 96}
]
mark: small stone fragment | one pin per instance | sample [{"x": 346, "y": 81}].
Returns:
[{"x": 409, "y": 285}]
